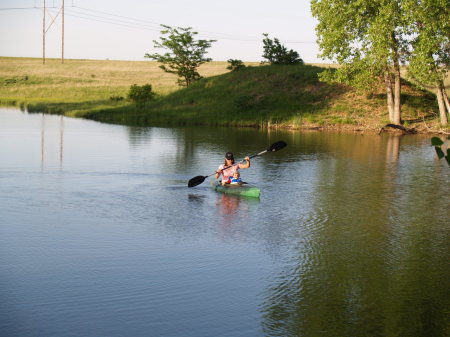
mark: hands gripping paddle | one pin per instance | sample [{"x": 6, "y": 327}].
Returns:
[{"x": 274, "y": 147}]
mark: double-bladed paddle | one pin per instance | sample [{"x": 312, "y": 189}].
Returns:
[{"x": 272, "y": 148}]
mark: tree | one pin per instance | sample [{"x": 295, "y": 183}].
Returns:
[
  {"x": 276, "y": 53},
  {"x": 429, "y": 27},
  {"x": 184, "y": 55},
  {"x": 365, "y": 38}
]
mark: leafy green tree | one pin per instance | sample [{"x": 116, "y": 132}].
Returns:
[
  {"x": 429, "y": 27},
  {"x": 365, "y": 38},
  {"x": 276, "y": 53},
  {"x": 184, "y": 53}
]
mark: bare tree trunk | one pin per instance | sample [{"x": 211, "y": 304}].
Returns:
[
  {"x": 397, "y": 94},
  {"x": 442, "y": 108},
  {"x": 389, "y": 95},
  {"x": 447, "y": 104}
]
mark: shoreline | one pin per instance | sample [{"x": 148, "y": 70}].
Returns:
[
  {"x": 418, "y": 129},
  {"x": 267, "y": 97}
]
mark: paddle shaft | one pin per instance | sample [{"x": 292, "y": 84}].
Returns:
[
  {"x": 199, "y": 179},
  {"x": 242, "y": 161}
]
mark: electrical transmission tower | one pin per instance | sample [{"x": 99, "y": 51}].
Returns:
[{"x": 45, "y": 28}]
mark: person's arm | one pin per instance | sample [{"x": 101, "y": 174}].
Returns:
[
  {"x": 219, "y": 172},
  {"x": 246, "y": 164}
]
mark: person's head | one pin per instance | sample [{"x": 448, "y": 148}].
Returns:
[
  {"x": 229, "y": 158},
  {"x": 236, "y": 175}
]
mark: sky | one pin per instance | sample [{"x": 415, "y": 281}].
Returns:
[{"x": 125, "y": 29}]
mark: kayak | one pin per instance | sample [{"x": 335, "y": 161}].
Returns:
[{"x": 244, "y": 190}]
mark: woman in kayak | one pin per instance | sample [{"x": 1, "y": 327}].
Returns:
[{"x": 227, "y": 174}]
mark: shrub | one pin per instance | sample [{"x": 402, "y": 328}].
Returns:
[
  {"x": 235, "y": 64},
  {"x": 276, "y": 53},
  {"x": 116, "y": 98},
  {"x": 140, "y": 94}
]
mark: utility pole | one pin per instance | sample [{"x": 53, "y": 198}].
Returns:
[
  {"x": 45, "y": 28},
  {"x": 62, "y": 32},
  {"x": 43, "y": 36}
]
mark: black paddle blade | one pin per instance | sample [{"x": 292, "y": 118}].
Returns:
[
  {"x": 196, "y": 181},
  {"x": 277, "y": 146}
]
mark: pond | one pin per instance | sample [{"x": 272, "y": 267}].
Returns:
[{"x": 100, "y": 235}]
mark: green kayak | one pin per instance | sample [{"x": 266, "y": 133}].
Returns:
[{"x": 244, "y": 190}]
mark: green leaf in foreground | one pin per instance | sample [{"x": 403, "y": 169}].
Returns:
[
  {"x": 436, "y": 141},
  {"x": 439, "y": 152}
]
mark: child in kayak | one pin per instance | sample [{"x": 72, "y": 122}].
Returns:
[
  {"x": 228, "y": 168},
  {"x": 236, "y": 180}
]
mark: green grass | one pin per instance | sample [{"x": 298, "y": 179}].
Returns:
[
  {"x": 262, "y": 96},
  {"x": 254, "y": 96},
  {"x": 81, "y": 86}
]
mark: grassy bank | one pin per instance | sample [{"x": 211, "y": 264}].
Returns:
[
  {"x": 266, "y": 96},
  {"x": 79, "y": 86}
]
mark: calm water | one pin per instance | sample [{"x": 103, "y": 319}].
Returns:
[{"x": 100, "y": 236}]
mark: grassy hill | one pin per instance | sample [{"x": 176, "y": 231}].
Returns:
[{"x": 264, "y": 96}]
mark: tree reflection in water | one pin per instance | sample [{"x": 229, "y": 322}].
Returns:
[{"x": 373, "y": 261}]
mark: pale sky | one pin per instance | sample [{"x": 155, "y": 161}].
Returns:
[{"x": 125, "y": 29}]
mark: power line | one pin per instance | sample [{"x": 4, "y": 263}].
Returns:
[
  {"x": 130, "y": 22},
  {"x": 208, "y": 34},
  {"x": 159, "y": 24},
  {"x": 124, "y": 23},
  {"x": 17, "y": 8},
  {"x": 129, "y": 25},
  {"x": 96, "y": 17},
  {"x": 204, "y": 33},
  {"x": 119, "y": 16}
]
